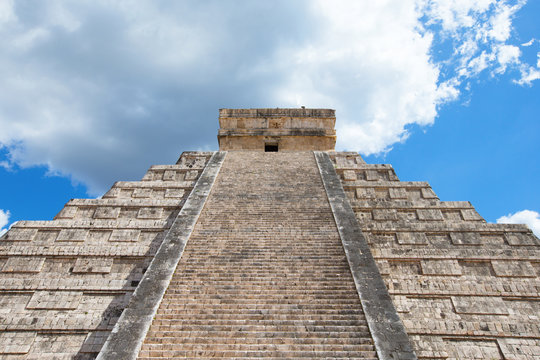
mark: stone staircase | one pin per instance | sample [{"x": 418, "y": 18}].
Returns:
[{"x": 264, "y": 273}]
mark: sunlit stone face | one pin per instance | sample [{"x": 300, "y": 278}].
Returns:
[{"x": 277, "y": 129}]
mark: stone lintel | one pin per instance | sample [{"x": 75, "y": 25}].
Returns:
[{"x": 387, "y": 330}]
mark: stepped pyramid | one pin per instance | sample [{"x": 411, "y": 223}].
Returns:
[{"x": 276, "y": 246}]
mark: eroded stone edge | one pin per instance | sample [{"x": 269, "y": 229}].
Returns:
[
  {"x": 128, "y": 334},
  {"x": 387, "y": 330}
]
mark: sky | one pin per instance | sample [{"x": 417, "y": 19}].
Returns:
[{"x": 447, "y": 91}]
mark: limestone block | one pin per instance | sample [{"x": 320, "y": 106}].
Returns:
[
  {"x": 411, "y": 238},
  {"x": 191, "y": 175},
  {"x": 397, "y": 193},
  {"x": 170, "y": 175},
  {"x": 349, "y": 175},
  {"x": 381, "y": 193},
  {"x": 372, "y": 175},
  {"x": 363, "y": 215},
  {"x": 98, "y": 236},
  {"x": 54, "y": 300},
  {"x": 440, "y": 267},
  {"x": 474, "y": 349},
  {"x": 384, "y": 267},
  {"x": 192, "y": 162},
  {"x": 142, "y": 193},
  {"x": 513, "y": 268},
  {"x": 521, "y": 239},
  {"x": 56, "y": 346},
  {"x": 94, "y": 341},
  {"x": 407, "y": 215},
  {"x": 112, "y": 193},
  {"x": 385, "y": 214},
  {"x": 93, "y": 265},
  {"x": 402, "y": 304},
  {"x": 20, "y": 234},
  {"x": 392, "y": 175},
  {"x": 72, "y": 235},
  {"x": 124, "y": 235},
  {"x": 150, "y": 213},
  {"x": 68, "y": 212},
  {"x": 174, "y": 193},
  {"x": 465, "y": 238},
  {"x": 471, "y": 215},
  {"x": 518, "y": 349},
  {"x": 107, "y": 212},
  {"x": 430, "y": 214},
  {"x": 23, "y": 264},
  {"x": 480, "y": 305},
  {"x": 45, "y": 236},
  {"x": 365, "y": 193},
  {"x": 452, "y": 215},
  {"x": 13, "y": 343},
  {"x": 428, "y": 193}
]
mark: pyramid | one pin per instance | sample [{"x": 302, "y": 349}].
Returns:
[{"x": 275, "y": 246}]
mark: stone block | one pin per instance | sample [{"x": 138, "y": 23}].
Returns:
[
  {"x": 142, "y": 193},
  {"x": 479, "y": 305},
  {"x": 20, "y": 234},
  {"x": 372, "y": 175},
  {"x": 521, "y": 239},
  {"x": 174, "y": 193},
  {"x": 23, "y": 264},
  {"x": 349, "y": 175},
  {"x": 441, "y": 267},
  {"x": 428, "y": 193},
  {"x": 465, "y": 238},
  {"x": 191, "y": 175},
  {"x": 68, "y": 212},
  {"x": 54, "y": 300},
  {"x": 93, "y": 265},
  {"x": 430, "y": 214},
  {"x": 385, "y": 214},
  {"x": 170, "y": 175},
  {"x": 471, "y": 215},
  {"x": 124, "y": 235},
  {"x": 365, "y": 193},
  {"x": 107, "y": 212},
  {"x": 397, "y": 193},
  {"x": 16, "y": 343},
  {"x": 513, "y": 268},
  {"x": 72, "y": 235},
  {"x": 411, "y": 238},
  {"x": 150, "y": 213}
]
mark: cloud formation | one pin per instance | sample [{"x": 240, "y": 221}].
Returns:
[
  {"x": 4, "y": 220},
  {"x": 528, "y": 217},
  {"x": 96, "y": 89}
]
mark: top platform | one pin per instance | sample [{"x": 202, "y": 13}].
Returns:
[{"x": 277, "y": 129}]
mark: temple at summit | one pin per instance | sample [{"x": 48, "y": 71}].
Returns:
[{"x": 275, "y": 246}]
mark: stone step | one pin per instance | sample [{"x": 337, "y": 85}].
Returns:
[{"x": 264, "y": 274}]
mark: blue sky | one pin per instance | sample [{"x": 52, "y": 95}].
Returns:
[{"x": 97, "y": 91}]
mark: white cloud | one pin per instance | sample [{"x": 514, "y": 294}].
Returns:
[
  {"x": 528, "y": 217},
  {"x": 528, "y": 75},
  {"x": 529, "y": 43},
  {"x": 4, "y": 220},
  {"x": 96, "y": 90}
]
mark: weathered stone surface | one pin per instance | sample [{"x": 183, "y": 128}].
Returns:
[
  {"x": 262, "y": 275},
  {"x": 64, "y": 283},
  {"x": 463, "y": 288},
  {"x": 287, "y": 129}
]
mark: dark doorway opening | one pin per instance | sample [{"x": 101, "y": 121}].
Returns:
[{"x": 271, "y": 147}]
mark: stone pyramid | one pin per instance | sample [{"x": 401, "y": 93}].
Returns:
[{"x": 276, "y": 246}]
